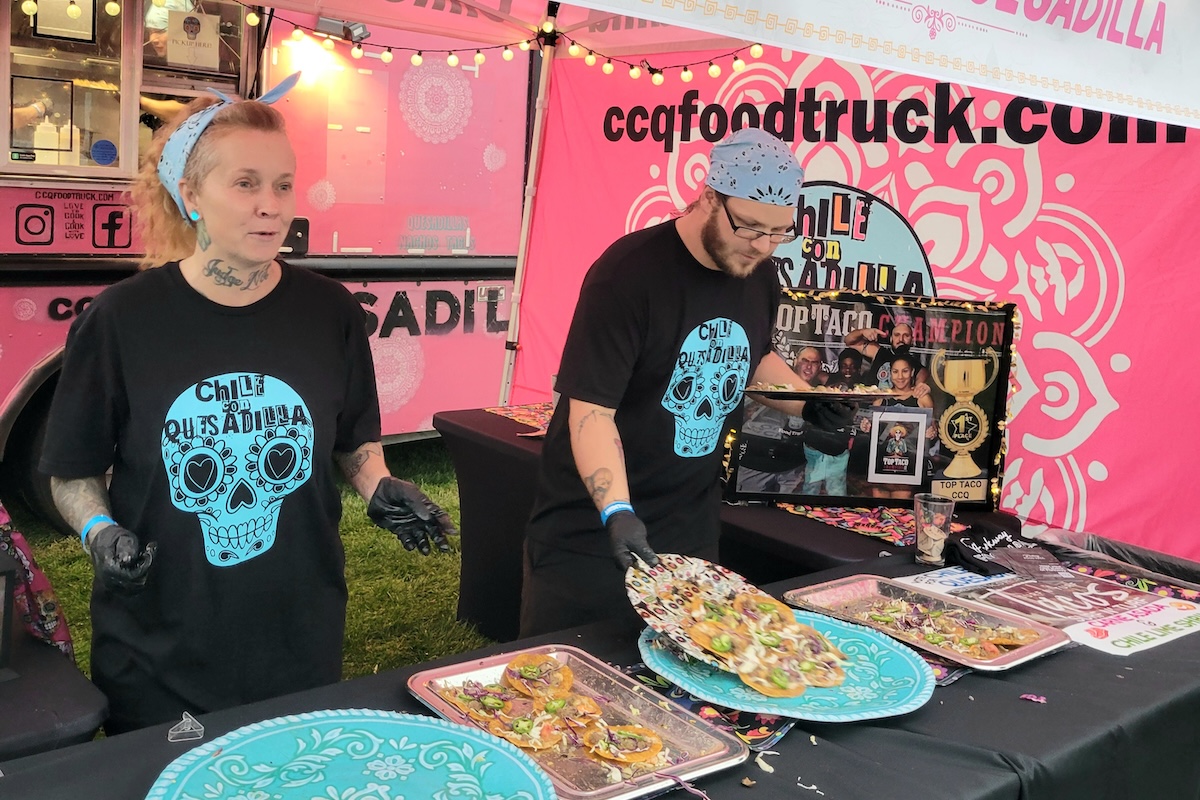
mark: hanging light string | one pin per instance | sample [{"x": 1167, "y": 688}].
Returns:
[{"x": 545, "y": 36}]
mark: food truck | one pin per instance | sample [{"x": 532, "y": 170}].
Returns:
[{"x": 409, "y": 188}]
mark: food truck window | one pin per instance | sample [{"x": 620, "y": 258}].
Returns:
[
  {"x": 193, "y": 36},
  {"x": 65, "y": 68}
]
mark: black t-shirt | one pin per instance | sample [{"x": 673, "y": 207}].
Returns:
[
  {"x": 670, "y": 344},
  {"x": 219, "y": 424}
]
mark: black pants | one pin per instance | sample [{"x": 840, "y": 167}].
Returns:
[{"x": 563, "y": 589}]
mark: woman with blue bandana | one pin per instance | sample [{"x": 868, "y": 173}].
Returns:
[
  {"x": 220, "y": 388},
  {"x": 672, "y": 323}
]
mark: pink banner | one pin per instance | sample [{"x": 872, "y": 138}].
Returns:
[{"x": 1083, "y": 219}]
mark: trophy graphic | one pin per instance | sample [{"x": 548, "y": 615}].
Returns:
[{"x": 964, "y": 425}]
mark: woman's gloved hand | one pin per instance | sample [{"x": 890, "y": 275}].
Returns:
[
  {"x": 419, "y": 523},
  {"x": 628, "y": 536},
  {"x": 119, "y": 559}
]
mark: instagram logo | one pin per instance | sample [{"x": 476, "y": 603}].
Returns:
[{"x": 35, "y": 224}]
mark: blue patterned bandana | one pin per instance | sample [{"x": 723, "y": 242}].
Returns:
[
  {"x": 754, "y": 165},
  {"x": 179, "y": 145}
]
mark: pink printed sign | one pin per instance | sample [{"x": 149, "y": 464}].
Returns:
[{"x": 1083, "y": 219}]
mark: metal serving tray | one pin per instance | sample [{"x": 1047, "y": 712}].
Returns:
[
  {"x": 694, "y": 747},
  {"x": 841, "y": 598}
]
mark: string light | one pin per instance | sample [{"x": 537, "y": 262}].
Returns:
[
  {"x": 713, "y": 70},
  {"x": 635, "y": 71},
  {"x": 738, "y": 64},
  {"x": 590, "y": 59},
  {"x": 73, "y": 10},
  {"x": 548, "y": 26},
  {"x": 416, "y": 59},
  {"x": 524, "y": 45},
  {"x": 252, "y": 19},
  {"x": 507, "y": 55},
  {"x": 686, "y": 76},
  {"x": 452, "y": 59},
  {"x": 356, "y": 51},
  {"x": 479, "y": 57},
  {"x": 756, "y": 50},
  {"x": 386, "y": 56},
  {"x": 327, "y": 43},
  {"x": 112, "y": 8},
  {"x": 574, "y": 50},
  {"x": 656, "y": 77},
  {"x": 29, "y": 7},
  {"x": 607, "y": 69},
  {"x": 297, "y": 33}
]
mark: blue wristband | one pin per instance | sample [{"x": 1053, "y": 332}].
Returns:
[
  {"x": 613, "y": 508},
  {"x": 99, "y": 519}
]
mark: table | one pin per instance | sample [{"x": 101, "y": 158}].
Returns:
[
  {"x": 49, "y": 704},
  {"x": 1112, "y": 728},
  {"x": 497, "y": 478}
]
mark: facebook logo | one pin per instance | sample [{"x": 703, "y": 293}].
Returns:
[{"x": 112, "y": 227}]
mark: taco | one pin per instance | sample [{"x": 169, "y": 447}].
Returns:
[
  {"x": 627, "y": 743},
  {"x": 538, "y": 675},
  {"x": 531, "y": 733},
  {"x": 483, "y": 702},
  {"x": 575, "y": 710}
]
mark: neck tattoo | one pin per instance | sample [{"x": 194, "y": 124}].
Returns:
[
  {"x": 221, "y": 277},
  {"x": 257, "y": 278}
]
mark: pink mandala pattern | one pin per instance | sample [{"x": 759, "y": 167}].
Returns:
[
  {"x": 24, "y": 309},
  {"x": 399, "y": 368},
  {"x": 436, "y": 102},
  {"x": 321, "y": 195}
]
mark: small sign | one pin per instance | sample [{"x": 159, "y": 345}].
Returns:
[{"x": 193, "y": 39}]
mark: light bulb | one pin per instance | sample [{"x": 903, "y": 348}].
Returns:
[
  {"x": 416, "y": 59},
  {"x": 590, "y": 59},
  {"x": 686, "y": 76},
  {"x": 548, "y": 26},
  {"x": 756, "y": 50},
  {"x": 386, "y": 56},
  {"x": 327, "y": 43},
  {"x": 452, "y": 60},
  {"x": 524, "y": 45},
  {"x": 356, "y": 51},
  {"x": 159, "y": 3},
  {"x": 252, "y": 19},
  {"x": 607, "y": 69},
  {"x": 635, "y": 72},
  {"x": 297, "y": 34},
  {"x": 479, "y": 57},
  {"x": 112, "y": 8},
  {"x": 738, "y": 64},
  {"x": 73, "y": 10},
  {"x": 574, "y": 50},
  {"x": 657, "y": 78},
  {"x": 29, "y": 7},
  {"x": 507, "y": 55},
  {"x": 713, "y": 70}
]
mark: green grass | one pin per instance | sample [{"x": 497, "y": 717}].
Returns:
[{"x": 402, "y": 605}]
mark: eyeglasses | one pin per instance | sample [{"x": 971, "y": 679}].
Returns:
[{"x": 750, "y": 234}]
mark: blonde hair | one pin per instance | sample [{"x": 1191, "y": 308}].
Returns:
[{"x": 166, "y": 234}]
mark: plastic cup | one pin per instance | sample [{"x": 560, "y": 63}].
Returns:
[{"x": 933, "y": 514}]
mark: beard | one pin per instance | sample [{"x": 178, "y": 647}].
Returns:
[{"x": 726, "y": 256}]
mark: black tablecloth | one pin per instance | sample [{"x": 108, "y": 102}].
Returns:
[{"x": 1112, "y": 728}]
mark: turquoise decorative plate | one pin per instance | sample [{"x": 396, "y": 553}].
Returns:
[
  {"x": 353, "y": 754},
  {"x": 883, "y": 677}
]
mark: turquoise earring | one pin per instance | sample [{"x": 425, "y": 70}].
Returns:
[{"x": 194, "y": 215}]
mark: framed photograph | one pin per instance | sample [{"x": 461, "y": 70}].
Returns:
[
  {"x": 909, "y": 396},
  {"x": 54, "y": 21}
]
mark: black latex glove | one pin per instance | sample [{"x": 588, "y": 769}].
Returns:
[
  {"x": 628, "y": 536},
  {"x": 119, "y": 560},
  {"x": 419, "y": 523}
]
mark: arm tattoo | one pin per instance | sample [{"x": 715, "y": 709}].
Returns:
[
  {"x": 598, "y": 484},
  {"x": 592, "y": 416},
  {"x": 620, "y": 449},
  {"x": 80, "y": 499},
  {"x": 352, "y": 463},
  {"x": 221, "y": 277}
]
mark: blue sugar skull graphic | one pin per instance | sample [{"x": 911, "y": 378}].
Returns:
[
  {"x": 710, "y": 374},
  {"x": 234, "y": 447}
]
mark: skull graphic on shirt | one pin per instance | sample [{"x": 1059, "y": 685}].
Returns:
[
  {"x": 234, "y": 446},
  {"x": 706, "y": 384}
]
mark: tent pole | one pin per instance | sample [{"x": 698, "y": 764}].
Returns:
[{"x": 535, "y": 152}]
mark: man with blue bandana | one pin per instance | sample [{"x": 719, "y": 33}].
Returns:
[{"x": 673, "y": 322}]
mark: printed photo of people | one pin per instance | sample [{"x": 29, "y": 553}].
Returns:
[{"x": 911, "y": 359}]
